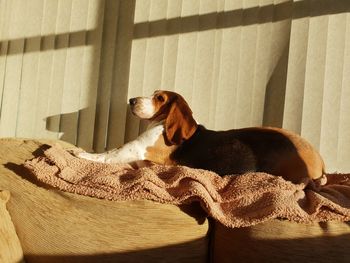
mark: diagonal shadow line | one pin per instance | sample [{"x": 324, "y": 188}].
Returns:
[
  {"x": 228, "y": 19},
  {"x": 18, "y": 45}
]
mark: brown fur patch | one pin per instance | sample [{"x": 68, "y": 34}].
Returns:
[{"x": 160, "y": 152}]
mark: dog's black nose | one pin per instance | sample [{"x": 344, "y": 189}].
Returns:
[{"x": 133, "y": 101}]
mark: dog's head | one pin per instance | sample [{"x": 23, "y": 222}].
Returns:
[{"x": 169, "y": 107}]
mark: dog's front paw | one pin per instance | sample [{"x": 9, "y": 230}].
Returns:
[
  {"x": 85, "y": 155},
  {"x": 91, "y": 156},
  {"x": 75, "y": 151}
]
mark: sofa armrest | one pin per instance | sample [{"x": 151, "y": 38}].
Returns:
[{"x": 10, "y": 247}]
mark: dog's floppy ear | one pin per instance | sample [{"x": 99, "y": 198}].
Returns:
[{"x": 179, "y": 124}]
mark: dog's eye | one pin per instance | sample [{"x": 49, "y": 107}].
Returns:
[{"x": 160, "y": 98}]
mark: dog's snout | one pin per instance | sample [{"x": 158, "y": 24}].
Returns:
[
  {"x": 142, "y": 107},
  {"x": 132, "y": 101}
]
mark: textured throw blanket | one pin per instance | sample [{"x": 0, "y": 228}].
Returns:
[{"x": 235, "y": 201}]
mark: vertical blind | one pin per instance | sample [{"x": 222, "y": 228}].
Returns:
[{"x": 67, "y": 68}]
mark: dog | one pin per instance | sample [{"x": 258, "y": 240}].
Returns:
[{"x": 175, "y": 138}]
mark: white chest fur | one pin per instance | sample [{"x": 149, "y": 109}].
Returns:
[{"x": 131, "y": 151}]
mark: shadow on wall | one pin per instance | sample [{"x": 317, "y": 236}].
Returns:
[
  {"x": 276, "y": 92},
  {"x": 100, "y": 110},
  {"x": 105, "y": 124},
  {"x": 18, "y": 46},
  {"x": 100, "y": 125},
  {"x": 65, "y": 124},
  {"x": 282, "y": 11}
]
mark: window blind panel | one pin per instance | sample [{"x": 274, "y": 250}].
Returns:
[
  {"x": 53, "y": 120},
  {"x": 154, "y": 51},
  {"x": 315, "y": 72},
  {"x": 155, "y": 48},
  {"x": 185, "y": 51},
  {"x": 246, "y": 64},
  {"x": 262, "y": 61},
  {"x": 45, "y": 70},
  {"x": 117, "y": 117},
  {"x": 14, "y": 61},
  {"x": 28, "y": 95},
  {"x": 332, "y": 89},
  {"x": 2, "y": 15},
  {"x": 204, "y": 61},
  {"x": 90, "y": 74},
  {"x": 186, "y": 56},
  {"x": 275, "y": 88},
  {"x": 73, "y": 71},
  {"x": 138, "y": 63},
  {"x": 343, "y": 164},
  {"x": 5, "y": 7},
  {"x": 229, "y": 67},
  {"x": 108, "y": 49},
  {"x": 293, "y": 108},
  {"x": 171, "y": 45},
  {"x": 216, "y": 63},
  {"x": 139, "y": 47}
]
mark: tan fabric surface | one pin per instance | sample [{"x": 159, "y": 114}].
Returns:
[
  {"x": 282, "y": 241},
  {"x": 235, "y": 201},
  {"x": 10, "y": 247},
  {"x": 54, "y": 226}
]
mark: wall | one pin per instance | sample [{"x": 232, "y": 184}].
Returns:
[{"x": 67, "y": 68}]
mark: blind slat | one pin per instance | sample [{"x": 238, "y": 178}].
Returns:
[
  {"x": 30, "y": 69},
  {"x": 45, "y": 71},
  {"x": 314, "y": 80},
  {"x": 14, "y": 61}
]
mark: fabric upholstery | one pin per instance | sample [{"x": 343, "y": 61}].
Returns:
[
  {"x": 10, "y": 247},
  {"x": 283, "y": 241},
  {"x": 55, "y": 226}
]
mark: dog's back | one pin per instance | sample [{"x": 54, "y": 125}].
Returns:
[{"x": 269, "y": 150}]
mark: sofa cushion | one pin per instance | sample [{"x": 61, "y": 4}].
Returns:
[
  {"x": 10, "y": 247},
  {"x": 283, "y": 241},
  {"x": 55, "y": 226}
]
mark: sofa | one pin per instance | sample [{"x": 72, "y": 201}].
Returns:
[{"x": 42, "y": 224}]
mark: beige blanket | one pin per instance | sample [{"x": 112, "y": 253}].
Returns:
[{"x": 235, "y": 201}]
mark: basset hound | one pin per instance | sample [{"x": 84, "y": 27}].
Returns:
[{"x": 175, "y": 138}]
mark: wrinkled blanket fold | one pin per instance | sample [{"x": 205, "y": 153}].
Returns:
[{"x": 235, "y": 201}]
